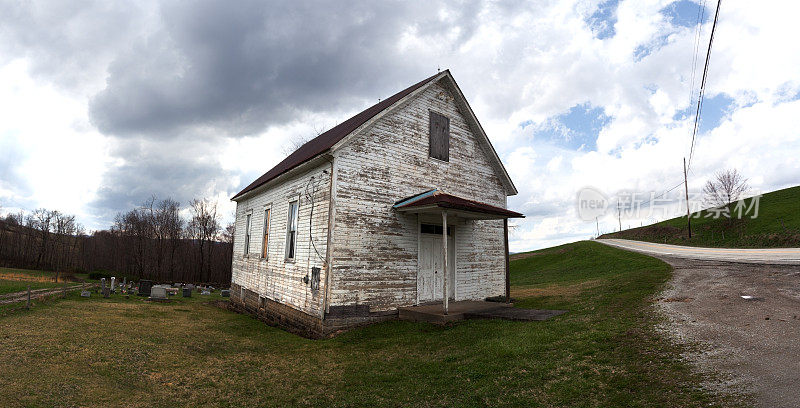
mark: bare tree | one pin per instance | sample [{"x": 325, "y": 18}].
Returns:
[
  {"x": 726, "y": 187},
  {"x": 149, "y": 241},
  {"x": 168, "y": 226},
  {"x": 204, "y": 229},
  {"x": 228, "y": 233},
  {"x": 295, "y": 143},
  {"x": 2, "y": 231},
  {"x": 41, "y": 220}
]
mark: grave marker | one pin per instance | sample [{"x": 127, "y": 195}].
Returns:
[
  {"x": 158, "y": 292},
  {"x": 145, "y": 287}
]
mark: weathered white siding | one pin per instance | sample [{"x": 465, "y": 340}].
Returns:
[
  {"x": 275, "y": 277},
  {"x": 375, "y": 249}
]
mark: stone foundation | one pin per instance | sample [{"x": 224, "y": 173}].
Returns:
[{"x": 276, "y": 314}]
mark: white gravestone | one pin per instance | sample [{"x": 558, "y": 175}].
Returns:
[{"x": 158, "y": 292}]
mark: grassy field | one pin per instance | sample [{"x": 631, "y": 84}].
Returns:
[
  {"x": 777, "y": 225},
  {"x": 603, "y": 352},
  {"x": 17, "y": 280}
]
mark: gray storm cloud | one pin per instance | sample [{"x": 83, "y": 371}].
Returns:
[
  {"x": 180, "y": 77},
  {"x": 238, "y": 70}
]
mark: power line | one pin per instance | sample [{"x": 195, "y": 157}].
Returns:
[
  {"x": 703, "y": 85},
  {"x": 698, "y": 28},
  {"x": 700, "y": 16},
  {"x": 662, "y": 194}
]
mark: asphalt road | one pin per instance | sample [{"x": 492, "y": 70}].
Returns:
[{"x": 789, "y": 256}]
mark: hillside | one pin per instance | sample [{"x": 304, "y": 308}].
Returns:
[{"x": 777, "y": 226}]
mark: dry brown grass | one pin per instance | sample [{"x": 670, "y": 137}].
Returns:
[{"x": 32, "y": 278}]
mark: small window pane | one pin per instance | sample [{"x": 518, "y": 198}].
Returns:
[{"x": 434, "y": 229}]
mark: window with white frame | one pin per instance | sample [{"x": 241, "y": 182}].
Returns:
[
  {"x": 291, "y": 231},
  {"x": 247, "y": 235},
  {"x": 265, "y": 241}
]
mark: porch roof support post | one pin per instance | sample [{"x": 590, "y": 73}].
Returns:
[
  {"x": 444, "y": 263},
  {"x": 508, "y": 283}
]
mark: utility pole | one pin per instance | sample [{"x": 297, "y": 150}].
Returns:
[
  {"x": 686, "y": 187},
  {"x": 619, "y": 215},
  {"x": 598, "y": 225}
]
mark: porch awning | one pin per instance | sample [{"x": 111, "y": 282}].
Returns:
[{"x": 434, "y": 201}]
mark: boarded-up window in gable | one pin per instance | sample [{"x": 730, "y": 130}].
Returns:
[{"x": 439, "y": 136}]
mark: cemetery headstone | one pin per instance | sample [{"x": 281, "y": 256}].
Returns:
[
  {"x": 205, "y": 292},
  {"x": 144, "y": 287},
  {"x": 225, "y": 293},
  {"x": 187, "y": 292},
  {"x": 103, "y": 288},
  {"x": 86, "y": 293},
  {"x": 158, "y": 292},
  {"x": 113, "y": 284}
]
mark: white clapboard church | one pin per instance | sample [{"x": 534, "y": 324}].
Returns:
[{"x": 355, "y": 224}]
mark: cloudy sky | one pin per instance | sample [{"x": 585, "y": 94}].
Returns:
[{"x": 103, "y": 104}]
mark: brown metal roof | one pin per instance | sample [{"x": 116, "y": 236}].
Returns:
[
  {"x": 325, "y": 141},
  {"x": 444, "y": 200}
]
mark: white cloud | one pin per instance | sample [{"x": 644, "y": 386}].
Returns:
[
  {"x": 516, "y": 64},
  {"x": 59, "y": 156}
]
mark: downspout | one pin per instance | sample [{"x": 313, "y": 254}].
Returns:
[
  {"x": 328, "y": 247},
  {"x": 508, "y": 281}
]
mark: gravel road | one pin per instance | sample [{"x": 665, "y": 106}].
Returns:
[{"x": 746, "y": 318}]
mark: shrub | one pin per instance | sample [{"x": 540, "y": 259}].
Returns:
[{"x": 99, "y": 275}]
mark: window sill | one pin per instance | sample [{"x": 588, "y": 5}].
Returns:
[{"x": 288, "y": 260}]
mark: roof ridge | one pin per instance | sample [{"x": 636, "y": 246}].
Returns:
[{"x": 328, "y": 139}]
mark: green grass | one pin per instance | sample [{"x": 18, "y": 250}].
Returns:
[
  {"x": 777, "y": 225},
  {"x": 11, "y": 286},
  {"x": 16, "y": 280},
  {"x": 603, "y": 352}
]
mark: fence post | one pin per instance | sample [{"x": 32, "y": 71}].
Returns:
[
  {"x": 28, "y": 303},
  {"x": 64, "y": 296}
]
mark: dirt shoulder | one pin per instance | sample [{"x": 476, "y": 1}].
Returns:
[
  {"x": 21, "y": 296},
  {"x": 754, "y": 343}
]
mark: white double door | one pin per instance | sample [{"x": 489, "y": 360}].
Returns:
[{"x": 430, "y": 284}]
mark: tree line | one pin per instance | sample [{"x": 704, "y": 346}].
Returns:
[{"x": 152, "y": 241}]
